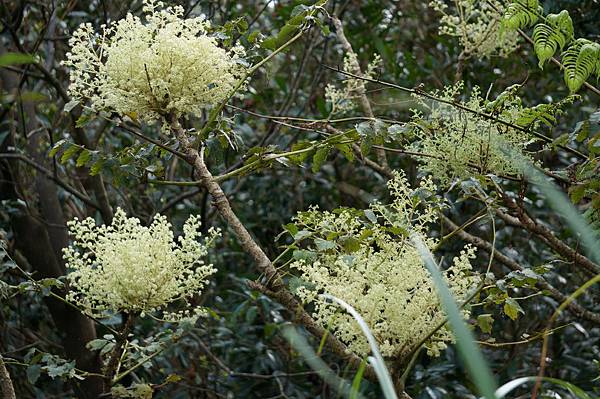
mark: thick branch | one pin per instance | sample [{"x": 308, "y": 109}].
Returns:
[
  {"x": 480, "y": 243},
  {"x": 524, "y": 221},
  {"x": 275, "y": 286},
  {"x": 364, "y": 100}
]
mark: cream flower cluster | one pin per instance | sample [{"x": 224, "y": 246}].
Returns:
[
  {"x": 165, "y": 64},
  {"x": 132, "y": 268},
  {"x": 343, "y": 99},
  {"x": 460, "y": 144},
  {"x": 372, "y": 265},
  {"x": 477, "y": 25}
]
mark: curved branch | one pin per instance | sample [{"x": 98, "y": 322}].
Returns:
[
  {"x": 274, "y": 287},
  {"x": 480, "y": 243}
]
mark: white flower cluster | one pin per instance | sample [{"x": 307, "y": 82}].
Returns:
[
  {"x": 132, "y": 268},
  {"x": 461, "y": 144},
  {"x": 477, "y": 24},
  {"x": 372, "y": 265},
  {"x": 165, "y": 64},
  {"x": 343, "y": 99}
]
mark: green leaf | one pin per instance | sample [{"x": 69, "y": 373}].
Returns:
[
  {"x": 324, "y": 245},
  {"x": 512, "y": 308},
  {"x": 582, "y": 130},
  {"x": 319, "y": 158},
  {"x": 96, "y": 167},
  {"x": 9, "y": 58},
  {"x": 301, "y": 157},
  {"x": 485, "y": 321},
  {"x": 302, "y": 234},
  {"x": 56, "y": 147},
  {"x": 70, "y": 105},
  {"x": 579, "y": 61},
  {"x": 33, "y": 373},
  {"x": 511, "y": 385},
  {"x": 173, "y": 378},
  {"x": 69, "y": 153},
  {"x": 351, "y": 244},
  {"x": 83, "y": 158},
  {"x": 519, "y": 15},
  {"x": 371, "y": 216},
  {"x": 83, "y": 120},
  {"x": 291, "y": 228},
  {"x": 355, "y": 389},
  {"x": 346, "y": 150},
  {"x": 545, "y": 44}
]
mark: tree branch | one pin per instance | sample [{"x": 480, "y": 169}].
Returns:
[{"x": 275, "y": 287}]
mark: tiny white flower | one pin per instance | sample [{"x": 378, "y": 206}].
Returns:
[
  {"x": 386, "y": 282},
  {"x": 152, "y": 67},
  {"x": 132, "y": 268}
]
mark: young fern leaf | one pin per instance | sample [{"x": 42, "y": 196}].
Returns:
[
  {"x": 544, "y": 113},
  {"x": 545, "y": 43},
  {"x": 521, "y": 14},
  {"x": 548, "y": 38},
  {"x": 580, "y": 61}
]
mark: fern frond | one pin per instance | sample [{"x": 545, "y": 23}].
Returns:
[
  {"x": 520, "y": 14},
  {"x": 580, "y": 61},
  {"x": 550, "y": 37},
  {"x": 544, "y": 43},
  {"x": 563, "y": 24},
  {"x": 544, "y": 113}
]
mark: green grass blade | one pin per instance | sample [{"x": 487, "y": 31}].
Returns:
[
  {"x": 465, "y": 341},
  {"x": 559, "y": 202},
  {"x": 511, "y": 385},
  {"x": 299, "y": 343},
  {"x": 357, "y": 380},
  {"x": 383, "y": 375}
]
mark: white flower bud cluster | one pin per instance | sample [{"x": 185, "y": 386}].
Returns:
[
  {"x": 146, "y": 69},
  {"x": 461, "y": 144},
  {"x": 477, "y": 25},
  {"x": 132, "y": 268},
  {"x": 374, "y": 267}
]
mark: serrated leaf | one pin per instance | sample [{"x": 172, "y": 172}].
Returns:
[
  {"x": 83, "y": 120},
  {"x": 485, "y": 321},
  {"x": 96, "y": 167},
  {"x": 519, "y": 16},
  {"x": 582, "y": 129},
  {"x": 346, "y": 150},
  {"x": 579, "y": 61},
  {"x": 173, "y": 378}
]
